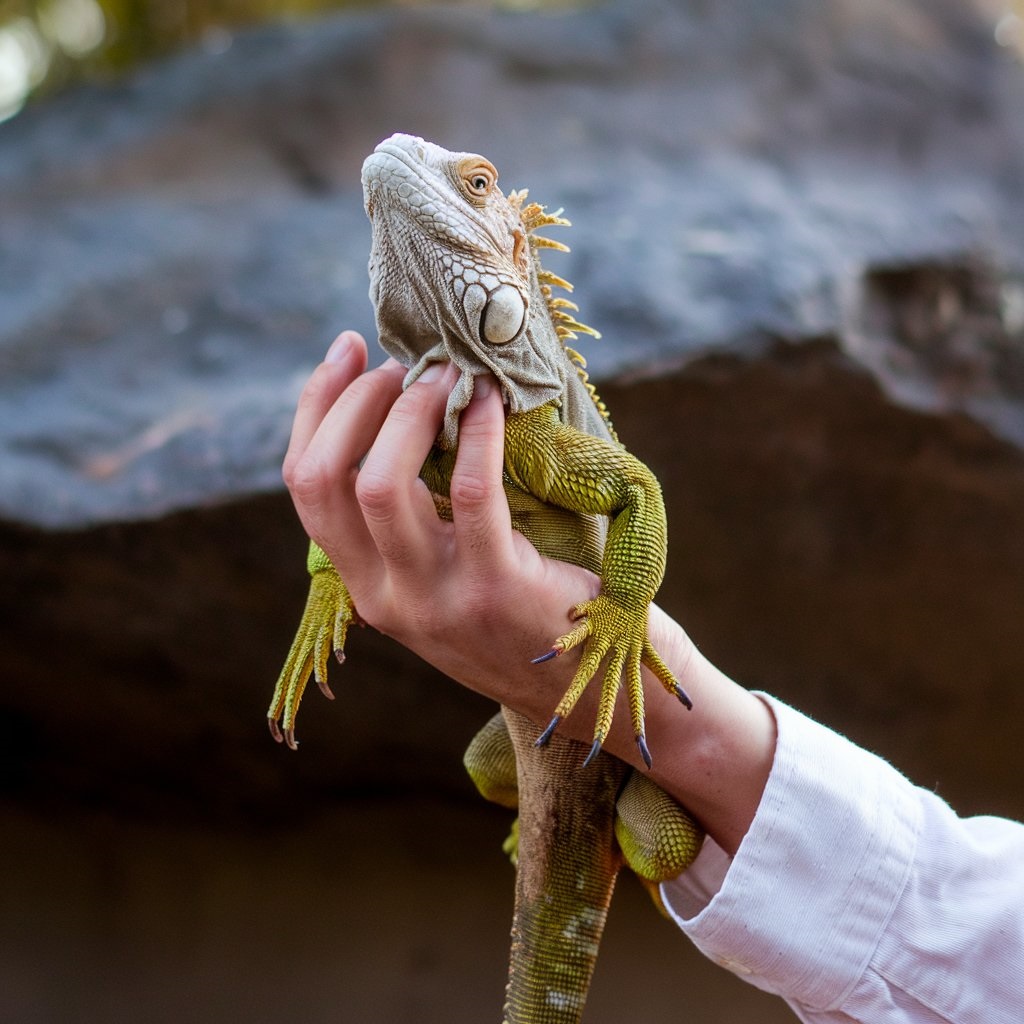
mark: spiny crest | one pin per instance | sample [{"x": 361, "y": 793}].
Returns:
[{"x": 560, "y": 309}]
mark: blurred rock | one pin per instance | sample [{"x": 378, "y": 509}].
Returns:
[
  {"x": 177, "y": 250},
  {"x": 799, "y": 227}
]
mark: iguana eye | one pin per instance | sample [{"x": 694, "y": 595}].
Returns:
[{"x": 478, "y": 177}]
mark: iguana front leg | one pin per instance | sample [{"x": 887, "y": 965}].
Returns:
[
  {"x": 325, "y": 620},
  {"x": 588, "y": 475}
]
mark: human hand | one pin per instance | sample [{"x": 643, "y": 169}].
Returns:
[
  {"x": 474, "y": 598},
  {"x": 470, "y": 596}
]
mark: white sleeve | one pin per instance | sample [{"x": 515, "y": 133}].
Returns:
[{"x": 859, "y": 897}]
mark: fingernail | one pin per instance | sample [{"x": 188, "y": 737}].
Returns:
[
  {"x": 341, "y": 344},
  {"x": 435, "y": 371},
  {"x": 482, "y": 387}
]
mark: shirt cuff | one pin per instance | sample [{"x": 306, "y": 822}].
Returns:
[{"x": 800, "y": 909}]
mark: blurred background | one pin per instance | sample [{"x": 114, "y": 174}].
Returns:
[
  {"x": 47, "y": 46},
  {"x": 799, "y": 227}
]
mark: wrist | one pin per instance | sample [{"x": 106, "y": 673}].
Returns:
[{"x": 714, "y": 758}]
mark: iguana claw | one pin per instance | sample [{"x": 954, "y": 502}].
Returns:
[
  {"x": 287, "y": 737},
  {"x": 684, "y": 698},
  {"x": 613, "y": 634},
  {"x": 595, "y": 749},
  {"x": 641, "y": 744},
  {"x": 546, "y": 735}
]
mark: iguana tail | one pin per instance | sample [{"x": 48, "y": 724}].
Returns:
[{"x": 567, "y": 868}]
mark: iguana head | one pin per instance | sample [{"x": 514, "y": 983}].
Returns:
[{"x": 452, "y": 275}]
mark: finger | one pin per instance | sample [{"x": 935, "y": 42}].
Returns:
[
  {"x": 397, "y": 507},
  {"x": 323, "y": 479},
  {"x": 344, "y": 362},
  {"x": 483, "y": 527}
]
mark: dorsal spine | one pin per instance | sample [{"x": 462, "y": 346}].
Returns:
[{"x": 560, "y": 309}]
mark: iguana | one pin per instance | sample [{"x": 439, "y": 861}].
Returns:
[{"x": 455, "y": 277}]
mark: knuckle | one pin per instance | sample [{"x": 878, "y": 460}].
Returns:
[
  {"x": 470, "y": 491},
  {"x": 288, "y": 470},
  {"x": 322, "y": 382},
  {"x": 377, "y": 494},
  {"x": 414, "y": 406},
  {"x": 307, "y": 480}
]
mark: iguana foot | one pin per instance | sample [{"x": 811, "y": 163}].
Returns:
[
  {"x": 328, "y": 614},
  {"x": 609, "y": 630}
]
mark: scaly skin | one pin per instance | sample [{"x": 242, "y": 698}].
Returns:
[{"x": 454, "y": 277}]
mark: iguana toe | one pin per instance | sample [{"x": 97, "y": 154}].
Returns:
[
  {"x": 606, "y": 630},
  {"x": 664, "y": 674}
]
